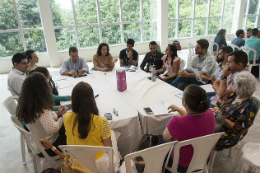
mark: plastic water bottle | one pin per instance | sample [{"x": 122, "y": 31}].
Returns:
[{"x": 154, "y": 73}]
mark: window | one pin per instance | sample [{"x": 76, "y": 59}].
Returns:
[
  {"x": 228, "y": 15},
  {"x": 20, "y": 27},
  {"x": 172, "y": 19},
  {"x": 251, "y": 14}
]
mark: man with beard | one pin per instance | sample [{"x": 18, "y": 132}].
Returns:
[
  {"x": 237, "y": 61},
  {"x": 222, "y": 58},
  {"x": 202, "y": 62}
]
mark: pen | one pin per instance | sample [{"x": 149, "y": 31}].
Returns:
[{"x": 96, "y": 95}]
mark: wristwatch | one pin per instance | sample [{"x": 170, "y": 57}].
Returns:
[{"x": 223, "y": 77}]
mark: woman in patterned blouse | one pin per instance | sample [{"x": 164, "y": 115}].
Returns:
[{"x": 239, "y": 108}]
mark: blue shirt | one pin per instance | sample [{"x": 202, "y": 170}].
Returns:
[
  {"x": 124, "y": 56},
  {"x": 220, "y": 40},
  {"x": 238, "y": 41},
  {"x": 254, "y": 43},
  {"x": 15, "y": 80},
  {"x": 68, "y": 65}
]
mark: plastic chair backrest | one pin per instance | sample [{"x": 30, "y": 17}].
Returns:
[
  {"x": 13, "y": 94},
  {"x": 191, "y": 48},
  {"x": 29, "y": 138},
  {"x": 86, "y": 155},
  {"x": 257, "y": 100},
  {"x": 247, "y": 50},
  {"x": 211, "y": 45},
  {"x": 182, "y": 64},
  {"x": 10, "y": 104},
  {"x": 234, "y": 47},
  {"x": 202, "y": 146},
  {"x": 153, "y": 157}
]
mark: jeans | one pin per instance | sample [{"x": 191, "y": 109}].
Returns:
[
  {"x": 182, "y": 82},
  {"x": 209, "y": 95}
]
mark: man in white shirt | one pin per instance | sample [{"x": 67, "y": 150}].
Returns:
[{"x": 17, "y": 74}]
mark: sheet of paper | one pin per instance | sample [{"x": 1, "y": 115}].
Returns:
[
  {"x": 61, "y": 78},
  {"x": 197, "y": 74},
  {"x": 160, "y": 108},
  {"x": 208, "y": 88},
  {"x": 179, "y": 95},
  {"x": 65, "y": 85}
]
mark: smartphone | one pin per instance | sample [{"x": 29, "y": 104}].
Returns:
[
  {"x": 148, "y": 110},
  {"x": 150, "y": 78},
  {"x": 108, "y": 116}
]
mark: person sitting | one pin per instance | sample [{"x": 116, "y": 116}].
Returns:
[
  {"x": 128, "y": 56},
  {"x": 248, "y": 33},
  {"x": 33, "y": 59},
  {"x": 239, "y": 108},
  {"x": 74, "y": 65},
  {"x": 220, "y": 39},
  {"x": 239, "y": 41},
  {"x": 17, "y": 74},
  {"x": 152, "y": 58},
  {"x": 237, "y": 61},
  {"x": 57, "y": 99},
  {"x": 254, "y": 43},
  {"x": 103, "y": 60},
  {"x": 202, "y": 62},
  {"x": 222, "y": 58},
  {"x": 84, "y": 126},
  {"x": 171, "y": 64},
  {"x": 195, "y": 121},
  {"x": 35, "y": 109}
]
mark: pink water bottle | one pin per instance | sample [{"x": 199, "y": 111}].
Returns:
[{"x": 121, "y": 80}]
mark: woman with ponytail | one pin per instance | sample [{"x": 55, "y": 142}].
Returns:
[
  {"x": 171, "y": 64},
  {"x": 195, "y": 121}
]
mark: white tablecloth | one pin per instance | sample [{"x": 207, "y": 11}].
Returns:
[
  {"x": 141, "y": 92},
  {"x": 127, "y": 122}
]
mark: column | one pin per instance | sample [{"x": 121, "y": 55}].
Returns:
[{"x": 162, "y": 23}]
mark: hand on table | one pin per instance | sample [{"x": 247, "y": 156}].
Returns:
[
  {"x": 173, "y": 108},
  {"x": 104, "y": 69},
  {"x": 73, "y": 73}
]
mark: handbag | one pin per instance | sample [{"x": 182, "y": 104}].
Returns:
[
  {"x": 220, "y": 119},
  {"x": 147, "y": 141},
  {"x": 69, "y": 163}
]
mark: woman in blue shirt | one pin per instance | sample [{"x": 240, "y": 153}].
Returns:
[{"x": 220, "y": 39}]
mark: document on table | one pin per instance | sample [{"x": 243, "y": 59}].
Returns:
[
  {"x": 65, "y": 85},
  {"x": 208, "y": 88},
  {"x": 179, "y": 95},
  {"x": 197, "y": 74},
  {"x": 160, "y": 108}
]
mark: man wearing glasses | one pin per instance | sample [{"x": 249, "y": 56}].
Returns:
[
  {"x": 17, "y": 74},
  {"x": 152, "y": 58}
]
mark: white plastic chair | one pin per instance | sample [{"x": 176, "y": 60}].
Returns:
[
  {"x": 38, "y": 162},
  {"x": 202, "y": 147},
  {"x": 248, "y": 50},
  {"x": 86, "y": 155},
  {"x": 210, "y": 49},
  {"x": 153, "y": 157},
  {"x": 13, "y": 94},
  {"x": 191, "y": 52},
  {"x": 10, "y": 104},
  {"x": 234, "y": 47},
  {"x": 209, "y": 38},
  {"x": 182, "y": 64}
]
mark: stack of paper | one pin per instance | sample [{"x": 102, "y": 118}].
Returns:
[{"x": 160, "y": 108}]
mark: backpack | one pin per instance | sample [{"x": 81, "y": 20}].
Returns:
[
  {"x": 51, "y": 170},
  {"x": 177, "y": 44}
]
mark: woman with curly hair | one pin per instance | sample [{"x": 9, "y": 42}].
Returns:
[
  {"x": 103, "y": 60},
  {"x": 35, "y": 109},
  {"x": 56, "y": 97},
  {"x": 84, "y": 126}
]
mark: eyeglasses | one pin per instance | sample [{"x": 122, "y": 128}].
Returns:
[{"x": 50, "y": 77}]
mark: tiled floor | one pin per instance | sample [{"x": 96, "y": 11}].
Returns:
[{"x": 10, "y": 155}]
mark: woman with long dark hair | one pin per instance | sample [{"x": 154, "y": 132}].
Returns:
[
  {"x": 32, "y": 58},
  {"x": 84, "y": 126},
  {"x": 103, "y": 60},
  {"x": 220, "y": 39},
  {"x": 35, "y": 109},
  {"x": 171, "y": 64},
  {"x": 195, "y": 121}
]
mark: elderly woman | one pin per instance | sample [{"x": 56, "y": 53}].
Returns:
[
  {"x": 103, "y": 60},
  {"x": 239, "y": 108}
]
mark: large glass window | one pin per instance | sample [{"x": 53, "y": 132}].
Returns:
[
  {"x": 201, "y": 7},
  {"x": 185, "y": 8},
  {"x": 251, "y": 14},
  {"x": 215, "y": 8},
  {"x": 109, "y": 11},
  {"x": 185, "y": 28},
  {"x": 23, "y": 31},
  {"x": 133, "y": 31},
  {"x": 131, "y": 10}
]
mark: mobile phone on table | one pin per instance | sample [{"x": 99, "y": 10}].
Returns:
[
  {"x": 148, "y": 110},
  {"x": 108, "y": 116}
]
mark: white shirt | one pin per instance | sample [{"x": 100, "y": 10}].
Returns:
[{"x": 15, "y": 80}]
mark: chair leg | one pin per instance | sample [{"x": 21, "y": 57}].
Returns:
[
  {"x": 35, "y": 164},
  {"x": 23, "y": 149},
  {"x": 230, "y": 152},
  {"x": 211, "y": 161}
]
